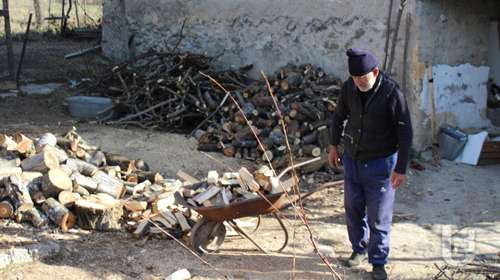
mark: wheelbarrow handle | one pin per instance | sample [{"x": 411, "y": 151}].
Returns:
[{"x": 297, "y": 165}]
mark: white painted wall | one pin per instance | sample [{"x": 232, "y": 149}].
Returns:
[{"x": 459, "y": 96}]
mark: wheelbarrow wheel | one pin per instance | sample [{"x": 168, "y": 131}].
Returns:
[{"x": 207, "y": 236}]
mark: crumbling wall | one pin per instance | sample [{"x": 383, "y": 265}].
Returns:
[
  {"x": 453, "y": 35},
  {"x": 270, "y": 34}
]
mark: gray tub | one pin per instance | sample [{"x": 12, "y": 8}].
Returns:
[{"x": 89, "y": 106}]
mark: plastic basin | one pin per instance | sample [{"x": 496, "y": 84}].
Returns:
[{"x": 89, "y": 106}]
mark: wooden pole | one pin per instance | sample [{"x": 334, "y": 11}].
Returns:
[
  {"x": 387, "y": 34},
  {"x": 8, "y": 37},
  {"x": 22, "y": 52},
  {"x": 395, "y": 38},
  {"x": 405, "y": 53},
  {"x": 433, "y": 117}
]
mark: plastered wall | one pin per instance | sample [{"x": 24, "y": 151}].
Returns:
[{"x": 270, "y": 34}]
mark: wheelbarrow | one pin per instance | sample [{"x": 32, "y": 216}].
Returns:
[{"x": 209, "y": 233}]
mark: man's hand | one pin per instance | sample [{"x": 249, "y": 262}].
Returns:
[
  {"x": 333, "y": 157},
  {"x": 397, "y": 179}
]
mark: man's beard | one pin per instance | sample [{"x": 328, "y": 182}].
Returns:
[{"x": 369, "y": 85}]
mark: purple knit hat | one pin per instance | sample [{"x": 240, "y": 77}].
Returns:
[{"x": 361, "y": 62}]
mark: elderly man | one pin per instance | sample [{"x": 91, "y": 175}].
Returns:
[{"x": 377, "y": 144}]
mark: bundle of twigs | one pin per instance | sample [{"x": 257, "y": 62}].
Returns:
[{"x": 166, "y": 90}]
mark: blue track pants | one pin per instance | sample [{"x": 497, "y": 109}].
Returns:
[{"x": 368, "y": 201}]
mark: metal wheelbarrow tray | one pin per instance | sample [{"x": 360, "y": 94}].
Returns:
[{"x": 209, "y": 233}]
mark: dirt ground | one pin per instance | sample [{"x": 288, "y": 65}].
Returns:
[{"x": 441, "y": 214}]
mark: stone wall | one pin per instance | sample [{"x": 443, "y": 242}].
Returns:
[{"x": 270, "y": 34}]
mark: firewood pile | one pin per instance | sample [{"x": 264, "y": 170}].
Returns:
[
  {"x": 174, "y": 90},
  {"x": 63, "y": 180}
]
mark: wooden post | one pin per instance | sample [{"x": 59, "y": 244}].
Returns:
[
  {"x": 433, "y": 117},
  {"x": 8, "y": 37}
]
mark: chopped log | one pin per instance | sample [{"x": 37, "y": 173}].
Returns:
[
  {"x": 126, "y": 164},
  {"x": 266, "y": 144},
  {"x": 7, "y": 171},
  {"x": 212, "y": 178},
  {"x": 67, "y": 144},
  {"x": 268, "y": 155},
  {"x": 254, "y": 153},
  {"x": 211, "y": 104},
  {"x": 301, "y": 109},
  {"x": 244, "y": 143},
  {"x": 80, "y": 190},
  {"x": 311, "y": 150},
  {"x": 292, "y": 126},
  {"x": 6, "y": 209},
  {"x": 26, "y": 148},
  {"x": 109, "y": 185},
  {"x": 47, "y": 139},
  {"x": 142, "y": 228},
  {"x": 66, "y": 198},
  {"x": 54, "y": 182},
  {"x": 61, "y": 155},
  {"x": 291, "y": 82},
  {"x": 208, "y": 147},
  {"x": 34, "y": 216},
  {"x": 281, "y": 162},
  {"x": 58, "y": 213},
  {"x": 248, "y": 180},
  {"x": 266, "y": 101},
  {"x": 246, "y": 133},
  {"x": 185, "y": 177},
  {"x": 18, "y": 193},
  {"x": 19, "y": 137},
  {"x": 313, "y": 110},
  {"x": 98, "y": 212},
  {"x": 146, "y": 175},
  {"x": 310, "y": 138},
  {"x": 228, "y": 150},
  {"x": 238, "y": 152},
  {"x": 83, "y": 182},
  {"x": 323, "y": 137},
  {"x": 37, "y": 196},
  {"x": 135, "y": 205},
  {"x": 316, "y": 165},
  {"x": 169, "y": 216},
  {"x": 202, "y": 136},
  {"x": 66, "y": 169},
  {"x": 42, "y": 162},
  {"x": 98, "y": 159},
  {"x": 182, "y": 221},
  {"x": 207, "y": 194},
  {"x": 82, "y": 167},
  {"x": 303, "y": 130},
  {"x": 16, "y": 162},
  {"x": 159, "y": 219},
  {"x": 6, "y": 141},
  {"x": 317, "y": 124},
  {"x": 162, "y": 204}
]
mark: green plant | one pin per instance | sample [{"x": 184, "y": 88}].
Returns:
[{"x": 38, "y": 77}]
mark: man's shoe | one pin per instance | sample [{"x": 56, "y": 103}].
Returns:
[
  {"x": 355, "y": 260},
  {"x": 378, "y": 272}
]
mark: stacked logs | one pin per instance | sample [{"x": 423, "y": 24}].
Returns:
[
  {"x": 65, "y": 181},
  {"x": 294, "y": 120}
]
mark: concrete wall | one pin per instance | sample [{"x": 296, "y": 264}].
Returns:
[{"x": 270, "y": 34}]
